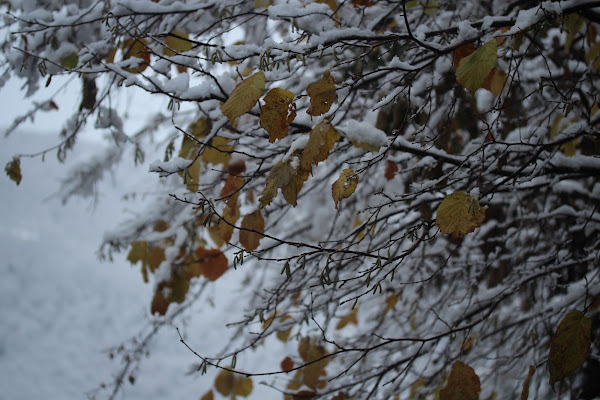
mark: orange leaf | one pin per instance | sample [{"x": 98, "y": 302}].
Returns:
[
  {"x": 287, "y": 364},
  {"x": 211, "y": 262},
  {"x": 253, "y": 228},
  {"x": 348, "y": 319},
  {"x": 278, "y": 113},
  {"x": 322, "y": 95},
  {"x": 390, "y": 170},
  {"x": 160, "y": 303},
  {"x": 208, "y": 396},
  {"x": 462, "y": 52}
]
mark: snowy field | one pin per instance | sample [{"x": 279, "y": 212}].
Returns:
[{"x": 63, "y": 310}]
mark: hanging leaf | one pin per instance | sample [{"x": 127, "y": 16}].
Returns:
[
  {"x": 414, "y": 388},
  {"x": 573, "y": 25},
  {"x": 495, "y": 81},
  {"x": 253, "y": 228},
  {"x": 278, "y": 113},
  {"x": 177, "y": 42},
  {"x": 139, "y": 252},
  {"x": 136, "y": 48},
  {"x": 320, "y": 142},
  {"x": 231, "y": 189},
  {"x": 70, "y": 60},
  {"x": 242, "y": 386},
  {"x": 463, "y": 383},
  {"x": 475, "y": 68},
  {"x": 348, "y": 319},
  {"x": 390, "y": 302},
  {"x": 282, "y": 176},
  {"x": 222, "y": 231},
  {"x": 217, "y": 152},
  {"x": 224, "y": 382},
  {"x": 390, "y": 170},
  {"x": 245, "y": 96},
  {"x": 156, "y": 257},
  {"x": 208, "y": 395},
  {"x": 570, "y": 346},
  {"x": 13, "y": 170},
  {"x": 459, "y": 214},
  {"x": 525, "y": 391},
  {"x": 322, "y": 95},
  {"x": 462, "y": 52},
  {"x": 160, "y": 303},
  {"x": 211, "y": 263},
  {"x": 344, "y": 186},
  {"x": 287, "y": 364}
]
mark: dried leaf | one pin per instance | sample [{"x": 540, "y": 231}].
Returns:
[
  {"x": 475, "y": 68},
  {"x": 224, "y": 382},
  {"x": 208, "y": 395},
  {"x": 13, "y": 170},
  {"x": 242, "y": 386},
  {"x": 287, "y": 364},
  {"x": 160, "y": 226},
  {"x": 320, "y": 142},
  {"x": 278, "y": 113},
  {"x": 282, "y": 176},
  {"x": 211, "y": 263},
  {"x": 570, "y": 345},
  {"x": 245, "y": 96},
  {"x": 156, "y": 257},
  {"x": 495, "y": 81},
  {"x": 217, "y": 152},
  {"x": 414, "y": 388},
  {"x": 160, "y": 303},
  {"x": 390, "y": 170},
  {"x": 592, "y": 57},
  {"x": 463, "y": 384},
  {"x": 459, "y": 214},
  {"x": 348, "y": 319},
  {"x": 136, "y": 48},
  {"x": 322, "y": 95},
  {"x": 344, "y": 186},
  {"x": 175, "y": 43},
  {"x": 253, "y": 228},
  {"x": 573, "y": 25},
  {"x": 221, "y": 232},
  {"x": 525, "y": 391},
  {"x": 390, "y": 302}
]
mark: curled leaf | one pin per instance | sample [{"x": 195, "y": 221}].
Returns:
[{"x": 13, "y": 170}]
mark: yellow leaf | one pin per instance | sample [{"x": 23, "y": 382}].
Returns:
[
  {"x": 570, "y": 345},
  {"x": 198, "y": 130},
  {"x": 459, "y": 214},
  {"x": 278, "y": 113},
  {"x": 156, "y": 256},
  {"x": 592, "y": 57},
  {"x": 573, "y": 24},
  {"x": 245, "y": 96},
  {"x": 222, "y": 231},
  {"x": 463, "y": 384},
  {"x": 348, "y": 319},
  {"x": 253, "y": 228},
  {"x": 208, "y": 395},
  {"x": 495, "y": 81},
  {"x": 430, "y": 7},
  {"x": 224, "y": 382},
  {"x": 262, "y": 3},
  {"x": 322, "y": 95},
  {"x": 282, "y": 176},
  {"x": 242, "y": 386},
  {"x": 344, "y": 186},
  {"x": 320, "y": 142},
  {"x": 475, "y": 68},
  {"x": 13, "y": 170},
  {"x": 414, "y": 388},
  {"x": 525, "y": 391},
  {"x": 136, "y": 48},
  {"x": 218, "y": 152},
  {"x": 139, "y": 252},
  {"x": 390, "y": 302},
  {"x": 314, "y": 371},
  {"x": 176, "y": 42}
]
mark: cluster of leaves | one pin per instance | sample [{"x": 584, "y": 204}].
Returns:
[{"x": 437, "y": 165}]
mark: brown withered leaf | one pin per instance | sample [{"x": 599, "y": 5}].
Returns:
[
  {"x": 253, "y": 228},
  {"x": 282, "y": 176},
  {"x": 212, "y": 263},
  {"x": 463, "y": 383},
  {"x": 245, "y": 96},
  {"x": 320, "y": 142},
  {"x": 278, "y": 113},
  {"x": 344, "y": 186},
  {"x": 322, "y": 95},
  {"x": 136, "y": 48}
]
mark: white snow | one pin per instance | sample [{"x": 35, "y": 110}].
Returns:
[{"x": 363, "y": 132}]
